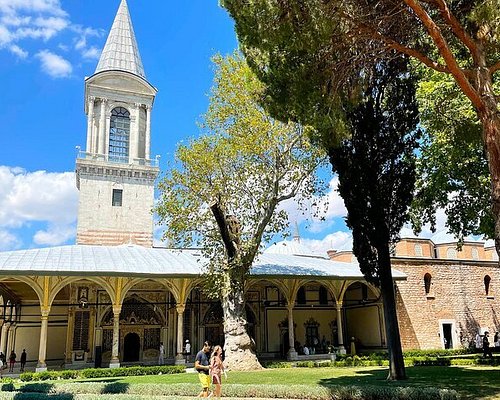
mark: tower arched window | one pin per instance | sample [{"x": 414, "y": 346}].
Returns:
[
  {"x": 119, "y": 135},
  {"x": 427, "y": 283},
  {"x": 418, "y": 250},
  {"x": 487, "y": 281}
]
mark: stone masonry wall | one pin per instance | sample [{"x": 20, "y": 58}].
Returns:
[{"x": 457, "y": 294}]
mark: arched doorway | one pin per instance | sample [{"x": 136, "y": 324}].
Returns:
[
  {"x": 131, "y": 347},
  {"x": 214, "y": 324}
]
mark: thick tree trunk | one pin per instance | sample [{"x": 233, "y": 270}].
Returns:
[
  {"x": 239, "y": 347},
  {"x": 396, "y": 361}
]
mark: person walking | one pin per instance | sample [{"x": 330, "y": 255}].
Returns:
[
  {"x": 23, "y": 359},
  {"x": 187, "y": 350},
  {"x": 202, "y": 365},
  {"x": 216, "y": 370},
  {"x": 486, "y": 345},
  {"x": 12, "y": 360},
  {"x": 161, "y": 354}
]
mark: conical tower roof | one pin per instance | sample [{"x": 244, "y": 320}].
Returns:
[{"x": 120, "y": 51}]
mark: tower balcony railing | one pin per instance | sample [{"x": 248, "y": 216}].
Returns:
[{"x": 113, "y": 158}]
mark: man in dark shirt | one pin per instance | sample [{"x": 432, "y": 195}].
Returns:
[
  {"x": 23, "y": 359},
  {"x": 486, "y": 345},
  {"x": 202, "y": 365}
]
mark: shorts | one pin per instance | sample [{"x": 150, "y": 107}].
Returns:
[
  {"x": 216, "y": 379},
  {"x": 204, "y": 380}
]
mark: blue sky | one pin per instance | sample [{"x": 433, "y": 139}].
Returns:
[{"x": 47, "y": 47}]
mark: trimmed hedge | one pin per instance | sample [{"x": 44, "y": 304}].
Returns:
[
  {"x": 101, "y": 373},
  {"x": 146, "y": 391}
]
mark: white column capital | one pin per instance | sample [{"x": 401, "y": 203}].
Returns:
[{"x": 180, "y": 308}]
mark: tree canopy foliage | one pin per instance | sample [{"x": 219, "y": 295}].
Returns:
[
  {"x": 225, "y": 191},
  {"x": 452, "y": 167},
  {"x": 311, "y": 54}
]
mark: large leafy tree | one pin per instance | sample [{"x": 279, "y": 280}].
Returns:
[
  {"x": 376, "y": 169},
  {"x": 307, "y": 51},
  {"x": 452, "y": 168},
  {"x": 225, "y": 191}
]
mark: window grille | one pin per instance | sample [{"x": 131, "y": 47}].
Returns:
[
  {"x": 487, "y": 281},
  {"x": 119, "y": 135},
  {"x": 427, "y": 283},
  {"x": 117, "y": 197}
]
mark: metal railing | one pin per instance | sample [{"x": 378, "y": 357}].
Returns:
[{"x": 112, "y": 158}]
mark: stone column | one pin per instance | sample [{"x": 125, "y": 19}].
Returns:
[
  {"x": 292, "y": 353},
  {"x": 90, "y": 354},
  {"x": 11, "y": 337},
  {"x": 69, "y": 336},
  {"x": 106, "y": 136},
  {"x": 102, "y": 128},
  {"x": 3, "y": 339},
  {"x": 340, "y": 332},
  {"x": 147, "y": 143},
  {"x": 133, "y": 152},
  {"x": 179, "y": 359},
  {"x": 42, "y": 351},
  {"x": 90, "y": 123},
  {"x": 115, "y": 360}
]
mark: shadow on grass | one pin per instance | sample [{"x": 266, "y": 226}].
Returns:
[
  {"x": 115, "y": 388},
  {"x": 36, "y": 391},
  {"x": 471, "y": 383}
]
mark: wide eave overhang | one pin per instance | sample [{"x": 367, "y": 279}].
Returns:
[{"x": 131, "y": 260}]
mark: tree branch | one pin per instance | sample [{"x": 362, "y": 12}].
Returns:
[
  {"x": 494, "y": 68},
  {"x": 444, "y": 50},
  {"x": 403, "y": 49},
  {"x": 224, "y": 231},
  {"x": 457, "y": 28}
]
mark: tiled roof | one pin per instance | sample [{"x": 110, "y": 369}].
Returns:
[
  {"x": 132, "y": 260},
  {"x": 121, "y": 51}
]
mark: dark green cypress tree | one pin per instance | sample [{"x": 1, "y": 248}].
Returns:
[{"x": 376, "y": 169}]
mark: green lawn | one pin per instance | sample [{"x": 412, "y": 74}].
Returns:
[{"x": 471, "y": 382}]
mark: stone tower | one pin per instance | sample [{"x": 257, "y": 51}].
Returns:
[{"x": 115, "y": 174}]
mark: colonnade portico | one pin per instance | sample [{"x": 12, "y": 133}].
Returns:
[{"x": 93, "y": 317}]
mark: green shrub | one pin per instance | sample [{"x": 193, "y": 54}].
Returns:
[
  {"x": 278, "y": 364},
  {"x": 101, "y": 373}
]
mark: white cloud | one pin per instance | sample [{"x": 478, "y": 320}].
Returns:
[
  {"x": 331, "y": 203},
  {"x": 55, "y": 65},
  {"x": 55, "y": 235},
  {"x": 40, "y": 196},
  {"x": 18, "y": 51},
  {"x": 92, "y": 53},
  {"x": 8, "y": 241},
  {"x": 333, "y": 241},
  {"x": 42, "y": 20},
  {"x": 40, "y": 6}
]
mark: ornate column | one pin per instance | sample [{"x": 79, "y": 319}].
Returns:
[
  {"x": 115, "y": 360},
  {"x": 42, "y": 351},
  {"x": 135, "y": 119},
  {"x": 292, "y": 353},
  {"x": 147, "y": 143},
  {"x": 106, "y": 136},
  {"x": 179, "y": 359},
  {"x": 90, "y": 355},
  {"x": 340, "y": 332},
  {"x": 102, "y": 128},
  {"x": 69, "y": 336},
  {"x": 3, "y": 339},
  {"x": 90, "y": 123}
]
